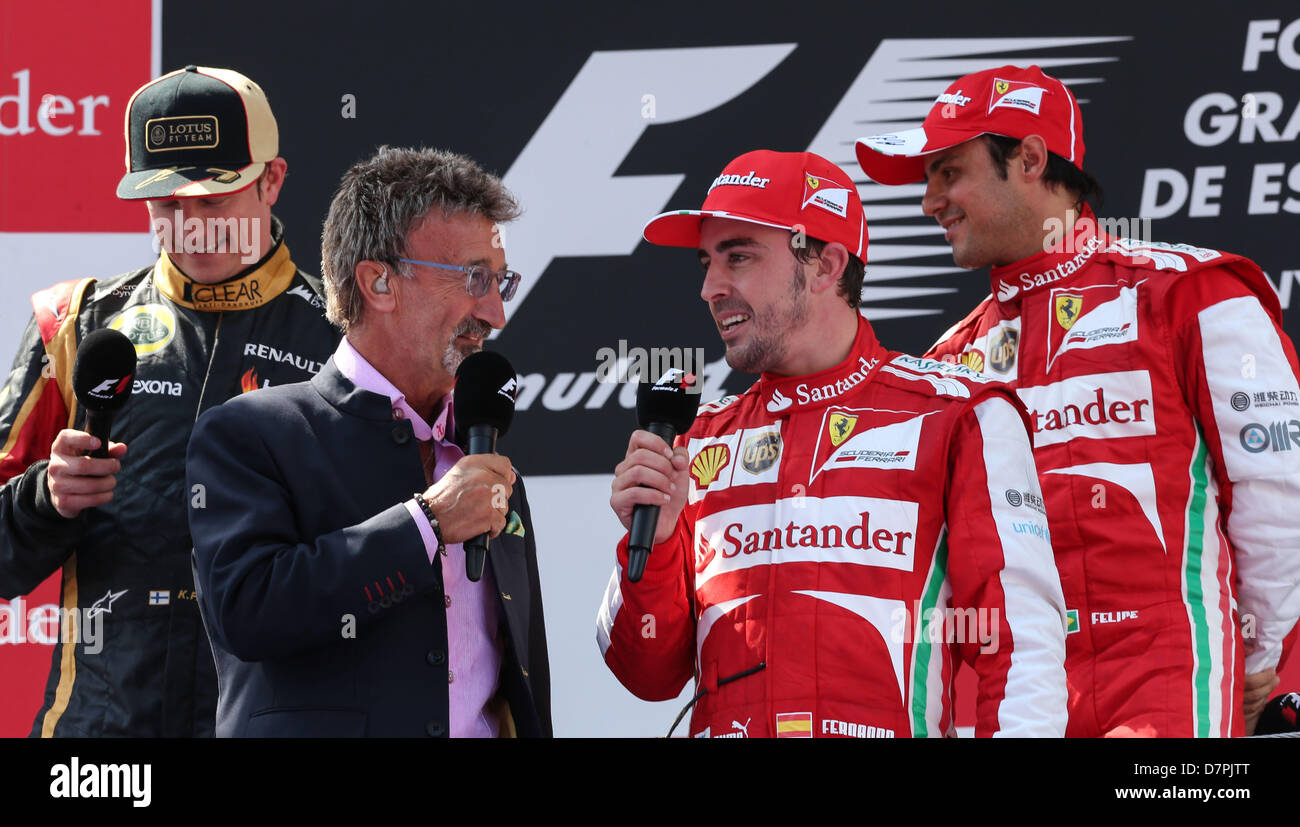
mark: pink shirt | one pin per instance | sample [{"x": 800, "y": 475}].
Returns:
[{"x": 474, "y": 646}]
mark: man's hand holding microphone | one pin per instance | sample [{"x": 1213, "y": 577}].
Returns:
[
  {"x": 83, "y": 464},
  {"x": 650, "y": 484}
]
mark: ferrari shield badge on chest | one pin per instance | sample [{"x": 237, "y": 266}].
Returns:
[
  {"x": 1067, "y": 308},
  {"x": 841, "y": 425}
]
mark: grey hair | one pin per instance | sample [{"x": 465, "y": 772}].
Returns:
[{"x": 379, "y": 201}]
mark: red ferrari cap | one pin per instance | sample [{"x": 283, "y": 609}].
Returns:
[
  {"x": 796, "y": 191},
  {"x": 1009, "y": 100}
]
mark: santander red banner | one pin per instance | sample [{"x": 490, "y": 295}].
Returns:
[{"x": 66, "y": 72}]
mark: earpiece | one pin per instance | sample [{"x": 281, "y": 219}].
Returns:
[{"x": 381, "y": 283}]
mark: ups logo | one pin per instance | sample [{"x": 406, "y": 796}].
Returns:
[{"x": 760, "y": 452}]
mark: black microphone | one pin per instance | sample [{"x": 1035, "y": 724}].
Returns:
[
  {"x": 483, "y": 406},
  {"x": 666, "y": 408},
  {"x": 1281, "y": 714},
  {"x": 101, "y": 379}
]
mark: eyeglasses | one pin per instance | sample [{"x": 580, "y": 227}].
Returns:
[{"x": 479, "y": 278}]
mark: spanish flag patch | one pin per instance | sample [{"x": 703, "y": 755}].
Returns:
[{"x": 794, "y": 725}]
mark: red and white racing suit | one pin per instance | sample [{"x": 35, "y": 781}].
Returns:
[
  {"x": 847, "y": 535},
  {"x": 1166, "y": 416}
]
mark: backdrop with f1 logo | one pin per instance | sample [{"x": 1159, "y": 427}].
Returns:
[{"x": 601, "y": 116}]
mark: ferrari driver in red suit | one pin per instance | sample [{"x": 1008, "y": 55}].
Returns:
[
  {"x": 835, "y": 540},
  {"x": 1163, "y": 397}
]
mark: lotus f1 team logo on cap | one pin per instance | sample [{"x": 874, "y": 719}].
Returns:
[
  {"x": 1016, "y": 94},
  {"x": 825, "y": 193},
  {"x": 182, "y": 132}
]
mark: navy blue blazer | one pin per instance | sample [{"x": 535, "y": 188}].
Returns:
[{"x": 325, "y": 615}]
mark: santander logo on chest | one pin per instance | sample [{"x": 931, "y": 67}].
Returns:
[
  {"x": 1095, "y": 406},
  {"x": 1057, "y": 268},
  {"x": 854, "y": 530},
  {"x": 822, "y": 390}
]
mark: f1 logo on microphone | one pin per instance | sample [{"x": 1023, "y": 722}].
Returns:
[
  {"x": 510, "y": 389},
  {"x": 675, "y": 379},
  {"x": 110, "y": 388}
]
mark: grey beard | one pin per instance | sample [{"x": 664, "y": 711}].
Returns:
[{"x": 453, "y": 356}]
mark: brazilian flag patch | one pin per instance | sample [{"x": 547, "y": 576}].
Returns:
[
  {"x": 514, "y": 525},
  {"x": 1071, "y": 621}
]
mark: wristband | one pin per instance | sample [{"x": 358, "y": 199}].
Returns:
[{"x": 433, "y": 521}]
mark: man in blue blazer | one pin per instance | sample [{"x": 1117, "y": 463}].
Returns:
[{"x": 336, "y": 599}]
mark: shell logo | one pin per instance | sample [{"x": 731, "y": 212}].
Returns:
[{"x": 708, "y": 462}]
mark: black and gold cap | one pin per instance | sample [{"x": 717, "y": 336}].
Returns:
[{"x": 194, "y": 132}]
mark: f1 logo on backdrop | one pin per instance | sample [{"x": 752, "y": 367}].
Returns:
[{"x": 897, "y": 85}]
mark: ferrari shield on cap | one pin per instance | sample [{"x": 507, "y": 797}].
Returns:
[
  {"x": 194, "y": 132},
  {"x": 796, "y": 191},
  {"x": 1010, "y": 100}
]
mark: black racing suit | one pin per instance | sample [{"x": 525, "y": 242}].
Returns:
[{"x": 127, "y": 586}]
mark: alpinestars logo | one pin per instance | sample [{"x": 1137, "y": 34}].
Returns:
[
  {"x": 302, "y": 292},
  {"x": 105, "y": 603}
]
